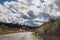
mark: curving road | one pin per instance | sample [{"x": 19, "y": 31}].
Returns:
[{"x": 18, "y": 36}]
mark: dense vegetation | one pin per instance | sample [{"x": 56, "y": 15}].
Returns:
[{"x": 49, "y": 30}]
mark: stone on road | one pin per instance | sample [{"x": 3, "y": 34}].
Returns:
[{"x": 18, "y": 36}]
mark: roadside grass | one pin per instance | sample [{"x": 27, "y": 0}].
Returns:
[
  {"x": 48, "y": 30},
  {"x": 37, "y": 36},
  {"x": 10, "y": 31},
  {"x": 7, "y": 30}
]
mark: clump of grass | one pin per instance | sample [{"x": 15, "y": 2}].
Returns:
[{"x": 37, "y": 36}]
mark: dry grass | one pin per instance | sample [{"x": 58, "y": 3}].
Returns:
[
  {"x": 47, "y": 29},
  {"x": 7, "y": 30}
]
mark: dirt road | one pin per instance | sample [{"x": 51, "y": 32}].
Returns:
[{"x": 18, "y": 36}]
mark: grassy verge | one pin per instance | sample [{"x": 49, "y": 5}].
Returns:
[
  {"x": 48, "y": 30},
  {"x": 7, "y": 30},
  {"x": 37, "y": 36}
]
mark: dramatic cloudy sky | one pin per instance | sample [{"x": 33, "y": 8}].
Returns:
[{"x": 28, "y": 12}]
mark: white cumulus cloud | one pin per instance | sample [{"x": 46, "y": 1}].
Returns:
[{"x": 28, "y": 12}]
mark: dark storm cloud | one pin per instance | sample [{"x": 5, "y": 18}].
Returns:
[{"x": 57, "y": 2}]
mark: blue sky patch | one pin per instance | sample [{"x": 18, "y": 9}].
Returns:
[{"x": 2, "y": 1}]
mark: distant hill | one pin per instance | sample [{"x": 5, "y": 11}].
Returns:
[
  {"x": 49, "y": 30},
  {"x": 6, "y": 28}
]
